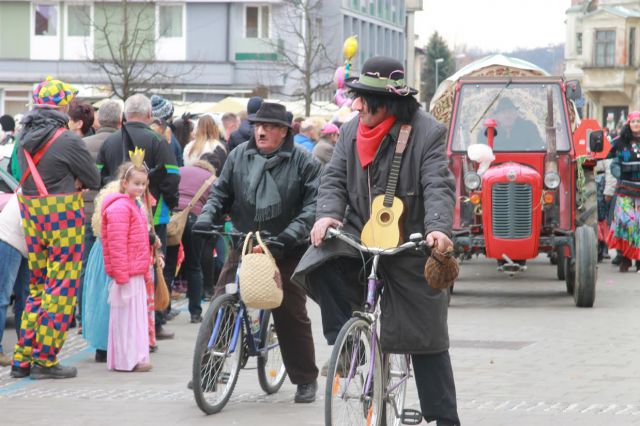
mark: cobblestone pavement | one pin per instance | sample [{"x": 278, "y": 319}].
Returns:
[{"x": 522, "y": 355}]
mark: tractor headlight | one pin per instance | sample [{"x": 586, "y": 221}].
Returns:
[
  {"x": 551, "y": 180},
  {"x": 472, "y": 181}
]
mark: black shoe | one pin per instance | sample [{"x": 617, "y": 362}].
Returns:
[
  {"x": 54, "y": 372},
  {"x": 163, "y": 334},
  {"x": 306, "y": 393},
  {"x": 153, "y": 348},
  {"x": 625, "y": 264},
  {"x": 616, "y": 260},
  {"x": 101, "y": 356},
  {"x": 172, "y": 314},
  {"x": 20, "y": 372},
  {"x": 196, "y": 318},
  {"x": 190, "y": 385}
]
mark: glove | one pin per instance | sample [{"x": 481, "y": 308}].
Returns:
[
  {"x": 203, "y": 223},
  {"x": 284, "y": 243}
]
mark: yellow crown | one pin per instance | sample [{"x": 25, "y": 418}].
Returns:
[{"x": 137, "y": 157}]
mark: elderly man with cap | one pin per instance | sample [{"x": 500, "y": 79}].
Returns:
[
  {"x": 414, "y": 315},
  {"x": 270, "y": 184},
  {"x": 55, "y": 164},
  {"x": 514, "y": 133},
  {"x": 245, "y": 131},
  {"x": 328, "y": 138}
]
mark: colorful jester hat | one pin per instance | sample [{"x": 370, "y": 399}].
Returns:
[{"x": 54, "y": 92}]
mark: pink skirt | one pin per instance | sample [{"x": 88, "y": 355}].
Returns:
[{"x": 128, "y": 325}]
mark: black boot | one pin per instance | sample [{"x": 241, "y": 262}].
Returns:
[
  {"x": 101, "y": 356},
  {"x": 625, "y": 264},
  {"x": 616, "y": 260},
  {"x": 19, "y": 372},
  {"x": 306, "y": 393},
  {"x": 54, "y": 372}
]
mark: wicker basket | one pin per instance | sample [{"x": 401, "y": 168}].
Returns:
[{"x": 260, "y": 280}]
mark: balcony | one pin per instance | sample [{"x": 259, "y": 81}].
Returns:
[
  {"x": 257, "y": 49},
  {"x": 609, "y": 78}
]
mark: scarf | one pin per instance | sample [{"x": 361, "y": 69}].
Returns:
[
  {"x": 368, "y": 139},
  {"x": 262, "y": 191}
]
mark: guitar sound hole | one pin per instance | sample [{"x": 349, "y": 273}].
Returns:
[{"x": 385, "y": 217}]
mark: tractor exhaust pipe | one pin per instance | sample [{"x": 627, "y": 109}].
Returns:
[
  {"x": 551, "y": 160},
  {"x": 510, "y": 267}
]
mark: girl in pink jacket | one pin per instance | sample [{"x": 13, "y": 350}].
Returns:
[{"x": 127, "y": 260}]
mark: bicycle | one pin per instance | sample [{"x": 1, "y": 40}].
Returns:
[
  {"x": 365, "y": 386},
  {"x": 226, "y": 339}
]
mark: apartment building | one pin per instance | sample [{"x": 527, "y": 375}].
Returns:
[{"x": 204, "y": 50}]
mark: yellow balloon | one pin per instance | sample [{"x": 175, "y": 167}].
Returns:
[{"x": 350, "y": 47}]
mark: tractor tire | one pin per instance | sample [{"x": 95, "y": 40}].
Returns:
[
  {"x": 569, "y": 275},
  {"x": 559, "y": 256},
  {"x": 587, "y": 214},
  {"x": 586, "y": 267}
]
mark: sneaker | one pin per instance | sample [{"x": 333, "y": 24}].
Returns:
[
  {"x": 196, "y": 318},
  {"x": 5, "y": 360},
  {"x": 142, "y": 367},
  {"x": 101, "y": 356},
  {"x": 54, "y": 372},
  {"x": 20, "y": 372},
  {"x": 306, "y": 393},
  {"x": 163, "y": 334}
]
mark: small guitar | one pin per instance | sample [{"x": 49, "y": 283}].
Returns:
[{"x": 383, "y": 229}]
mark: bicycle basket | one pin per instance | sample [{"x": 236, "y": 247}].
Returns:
[{"x": 260, "y": 280}]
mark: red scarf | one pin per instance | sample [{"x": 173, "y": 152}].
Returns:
[{"x": 368, "y": 139}]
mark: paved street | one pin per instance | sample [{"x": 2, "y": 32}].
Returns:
[{"x": 522, "y": 355}]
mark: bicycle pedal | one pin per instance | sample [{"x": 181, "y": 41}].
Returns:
[{"x": 411, "y": 417}]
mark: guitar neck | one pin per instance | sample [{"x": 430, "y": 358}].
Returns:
[{"x": 392, "y": 183}]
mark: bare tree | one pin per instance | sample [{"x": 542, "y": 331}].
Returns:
[
  {"x": 304, "y": 54},
  {"x": 125, "y": 34}
]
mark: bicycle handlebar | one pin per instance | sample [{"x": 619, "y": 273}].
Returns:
[
  {"x": 239, "y": 236},
  {"x": 416, "y": 241}
]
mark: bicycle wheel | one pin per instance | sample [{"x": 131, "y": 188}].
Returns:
[
  {"x": 353, "y": 365},
  {"x": 215, "y": 369},
  {"x": 397, "y": 375},
  {"x": 271, "y": 370}
]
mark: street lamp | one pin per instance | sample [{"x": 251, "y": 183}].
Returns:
[{"x": 438, "y": 62}]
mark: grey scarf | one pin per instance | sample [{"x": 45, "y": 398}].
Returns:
[{"x": 262, "y": 191}]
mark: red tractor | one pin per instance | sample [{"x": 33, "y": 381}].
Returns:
[{"x": 525, "y": 183}]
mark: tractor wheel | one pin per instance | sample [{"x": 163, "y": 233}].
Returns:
[
  {"x": 569, "y": 274},
  {"x": 559, "y": 256},
  {"x": 587, "y": 214},
  {"x": 586, "y": 269}
]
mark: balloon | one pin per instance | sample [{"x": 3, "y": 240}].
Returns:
[
  {"x": 341, "y": 99},
  {"x": 338, "y": 77},
  {"x": 350, "y": 47}
]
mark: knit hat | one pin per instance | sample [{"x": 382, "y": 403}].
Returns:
[
  {"x": 254, "y": 105},
  {"x": 633, "y": 115},
  {"x": 329, "y": 129},
  {"x": 7, "y": 123},
  {"x": 161, "y": 107},
  {"x": 53, "y": 92}
]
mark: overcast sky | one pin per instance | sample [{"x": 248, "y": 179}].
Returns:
[{"x": 502, "y": 25}]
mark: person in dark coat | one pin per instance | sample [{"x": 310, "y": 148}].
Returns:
[
  {"x": 245, "y": 131},
  {"x": 414, "y": 315},
  {"x": 270, "y": 184}
]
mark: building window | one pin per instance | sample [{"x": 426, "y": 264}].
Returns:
[
  {"x": 632, "y": 47},
  {"x": 46, "y": 20},
  {"x": 170, "y": 21},
  {"x": 78, "y": 21},
  {"x": 605, "y": 48},
  {"x": 578, "y": 43},
  {"x": 256, "y": 22}
]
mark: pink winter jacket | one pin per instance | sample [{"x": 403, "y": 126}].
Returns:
[{"x": 125, "y": 239}]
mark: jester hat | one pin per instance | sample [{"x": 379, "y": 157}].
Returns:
[{"x": 53, "y": 92}]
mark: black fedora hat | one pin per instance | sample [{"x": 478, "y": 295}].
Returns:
[
  {"x": 270, "y": 112},
  {"x": 381, "y": 76}
]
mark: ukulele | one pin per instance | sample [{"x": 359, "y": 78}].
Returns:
[{"x": 382, "y": 230}]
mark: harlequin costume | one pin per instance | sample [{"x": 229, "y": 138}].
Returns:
[
  {"x": 624, "y": 234},
  {"x": 52, "y": 159}
]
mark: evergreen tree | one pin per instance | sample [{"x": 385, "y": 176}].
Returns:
[{"x": 436, "y": 49}]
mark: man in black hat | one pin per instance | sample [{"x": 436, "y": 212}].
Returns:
[
  {"x": 514, "y": 133},
  {"x": 414, "y": 315},
  {"x": 270, "y": 184}
]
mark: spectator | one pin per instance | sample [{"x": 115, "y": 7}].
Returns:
[
  {"x": 163, "y": 108},
  {"x": 207, "y": 140},
  {"x": 245, "y": 131},
  {"x": 183, "y": 129},
  {"x": 308, "y": 135},
  {"x": 164, "y": 175},
  {"x": 56, "y": 235},
  {"x": 7, "y": 129},
  {"x": 81, "y": 118},
  {"x": 324, "y": 148},
  {"x": 230, "y": 123}
]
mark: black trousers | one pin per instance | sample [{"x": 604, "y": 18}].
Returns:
[
  {"x": 332, "y": 286},
  {"x": 291, "y": 320}
]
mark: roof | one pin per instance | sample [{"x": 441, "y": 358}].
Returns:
[{"x": 620, "y": 11}]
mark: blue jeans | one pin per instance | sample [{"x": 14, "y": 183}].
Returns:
[{"x": 10, "y": 270}]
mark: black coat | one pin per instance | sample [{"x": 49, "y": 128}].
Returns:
[
  {"x": 414, "y": 316},
  {"x": 297, "y": 180},
  {"x": 241, "y": 134}
]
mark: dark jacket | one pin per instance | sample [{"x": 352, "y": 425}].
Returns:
[
  {"x": 242, "y": 134},
  {"x": 65, "y": 160},
  {"x": 164, "y": 175},
  {"x": 297, "y": 181},
  {"x": 94, "y": 142},
  {"x": 414, "y": 315}
]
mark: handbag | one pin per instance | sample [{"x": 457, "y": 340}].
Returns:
[
  {"x": 259, "y": 277},
  {"x": 161, "y": 297},
  {"x": 177, "y": 222},
  {"x": 441, "y": 269}
]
